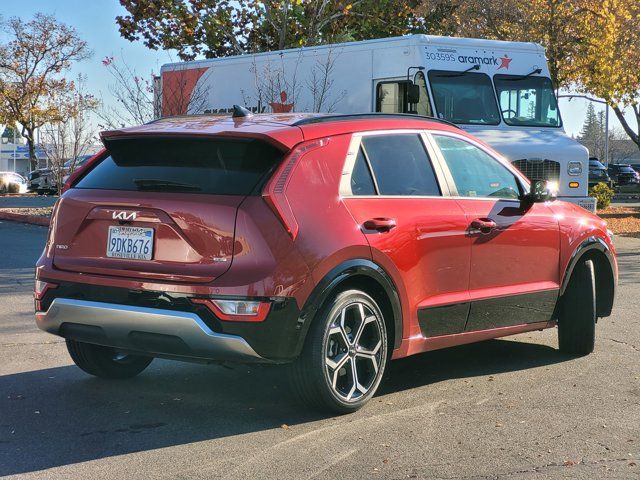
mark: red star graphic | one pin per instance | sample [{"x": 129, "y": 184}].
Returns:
[{"x": 504, "y": 62}]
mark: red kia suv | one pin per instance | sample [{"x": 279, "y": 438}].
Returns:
[{"x": 332, "y": 243}]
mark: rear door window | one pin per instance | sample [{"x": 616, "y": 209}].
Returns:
[
  {"x": 400, "y": 165},
  {"x": 188, "y": 165}
]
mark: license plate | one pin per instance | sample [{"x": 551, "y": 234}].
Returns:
[{"x": 134, "y": 243}]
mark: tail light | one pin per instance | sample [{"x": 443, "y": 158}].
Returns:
[
  {"x": 236, "y": 310},
  {"x": 275, "y": 191},
  {"x": 40, "y": 288}
]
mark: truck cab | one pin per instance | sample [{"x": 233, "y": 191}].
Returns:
[{"x": 500, "y": 92}]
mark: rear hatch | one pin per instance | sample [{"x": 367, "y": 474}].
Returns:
[{"x": 160, "y": 208}]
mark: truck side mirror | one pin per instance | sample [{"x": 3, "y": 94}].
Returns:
[
  {"x": 413, "y": 93},
  {"x": 541, "y": 191}
]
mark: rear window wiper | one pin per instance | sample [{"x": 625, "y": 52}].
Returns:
[{"x": 155, "y": 184}]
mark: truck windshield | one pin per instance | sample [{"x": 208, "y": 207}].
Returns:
[
  {"x": 527, "y": 101},
  {"x": 465, "y": 98}
]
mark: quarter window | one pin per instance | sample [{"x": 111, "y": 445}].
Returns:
[
  {"x": 361, "y": 180},
  {"x": 400, "y": 165},
  {"x": 476, "y": 173}
]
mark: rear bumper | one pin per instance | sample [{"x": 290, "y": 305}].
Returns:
[
  {"x": 144, "y": 330},
  {"x": 277, "y": 339}
]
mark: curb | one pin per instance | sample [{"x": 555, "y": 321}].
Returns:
[
  {"x": 31, "y": 219},
  {"x": 26, "y": 195}
]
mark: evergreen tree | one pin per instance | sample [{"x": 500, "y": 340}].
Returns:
[
  {"x": 11, "y": 132},
  {"x": 592, "y": 134}
]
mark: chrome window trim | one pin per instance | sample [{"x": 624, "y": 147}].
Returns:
[{"x": 352, "y": 154}]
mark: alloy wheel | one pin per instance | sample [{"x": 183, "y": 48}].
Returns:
[{"x": 353, "y": 351}]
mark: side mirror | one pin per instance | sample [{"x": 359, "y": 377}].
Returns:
[
  {"x": 413, "y": 93},
  {"x": 541, "y": 191}
]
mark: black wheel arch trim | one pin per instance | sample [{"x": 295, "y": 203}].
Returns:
[
  {"x": 588, "y": 245},
  {"x": 343, "y": 272}
]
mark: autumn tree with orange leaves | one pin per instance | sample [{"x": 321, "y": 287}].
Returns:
[
  {"x": 33, "y": 56},
  {"x": 217, "y": 28}
]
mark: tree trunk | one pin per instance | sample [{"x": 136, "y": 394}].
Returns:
[
  {"x": 33, "y": 160},
  {"x": 634, "y": 136},
  {"x": 28, "y": 134}
]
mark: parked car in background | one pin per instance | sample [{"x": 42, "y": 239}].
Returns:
[
  {"x": 623, "y": 174},
  {"x": 331, "y": 243},
  {"x": 43, "y": 180},
  {"x": 598, "y": 172},
  {"x": 635, "y": 166},
  {"x": 7, "y": 178}
]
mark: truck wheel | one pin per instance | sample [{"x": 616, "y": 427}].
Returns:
[
  {"x": 577, "y": 316},
  {"x": 106, "y": 362},
  {"x": 344, "y": 356}
]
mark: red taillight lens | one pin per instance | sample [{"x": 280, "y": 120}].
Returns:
[
  {"x": 275, "y": 191},
  {"x": 39, "y": 290},
  {"x": 236, "y": 310}
]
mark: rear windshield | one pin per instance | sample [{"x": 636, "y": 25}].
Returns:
[{"x": 220, "y": 167}]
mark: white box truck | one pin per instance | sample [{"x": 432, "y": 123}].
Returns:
[{"x": 498, "y": 91}]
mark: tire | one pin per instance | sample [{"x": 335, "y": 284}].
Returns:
[
  {"x": 333, "y": 356},
  {"x": 106, "y": 362},
  {"x": 577, "y": 316}
]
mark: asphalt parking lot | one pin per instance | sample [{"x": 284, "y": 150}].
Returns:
[
  {"x": 503, "y": 409},
  {"x": 27, "y": 201}
]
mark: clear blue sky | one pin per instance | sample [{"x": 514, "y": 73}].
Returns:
[{"x": 95, "y": 22}]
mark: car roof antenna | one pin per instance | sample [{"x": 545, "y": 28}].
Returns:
[{"x": 241, "y": 112}]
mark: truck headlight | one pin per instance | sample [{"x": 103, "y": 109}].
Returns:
[{"x": 574, "y": 168}]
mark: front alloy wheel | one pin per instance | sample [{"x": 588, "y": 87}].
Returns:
[{"x": 344, "y": 356}]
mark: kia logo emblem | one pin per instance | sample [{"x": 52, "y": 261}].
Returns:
[{"x": 125, "y": 216}]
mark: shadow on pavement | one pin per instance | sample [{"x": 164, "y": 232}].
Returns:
[
  {"x": 629, "y": 266},
  {"x": 61, "y": 416}
]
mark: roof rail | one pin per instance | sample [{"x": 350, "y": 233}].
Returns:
[{"x": 367, "y": 116}]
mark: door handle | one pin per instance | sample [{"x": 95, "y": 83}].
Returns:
[
  {"x": 484, "y": 225},
  {"x": 380, "y": 224}
]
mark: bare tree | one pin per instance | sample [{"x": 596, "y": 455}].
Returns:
[
  {"x": 321, "y": 84},
  {"x": 71, "y": 136},
  {"x": 280, "y": 89},
  {"x": 133, "y": 95},
  {"x": 136, "y": 96},
  {"x": 275, "y": 85}
]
